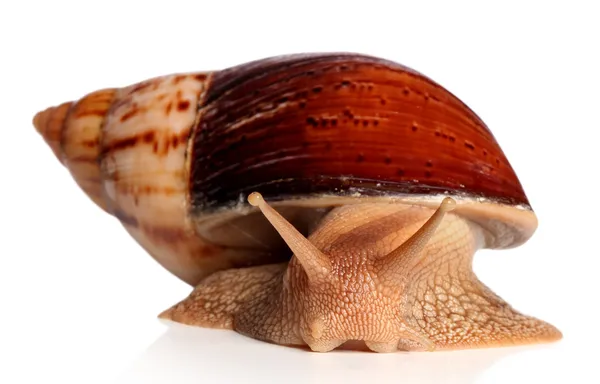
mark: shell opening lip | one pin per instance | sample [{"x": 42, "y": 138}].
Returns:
[{"x": 506, "y": 225}]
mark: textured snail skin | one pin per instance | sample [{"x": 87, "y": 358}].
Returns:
[
  {"x": 340, "y": 144},
  {"x": 392, "y": 276}
]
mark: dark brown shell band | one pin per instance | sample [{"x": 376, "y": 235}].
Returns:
[{"x": 339, "y": 123}]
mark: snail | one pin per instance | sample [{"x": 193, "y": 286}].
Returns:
[{"x": 311, "y": 200}]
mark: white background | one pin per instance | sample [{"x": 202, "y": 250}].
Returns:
[{"x": 79, "y": 298}]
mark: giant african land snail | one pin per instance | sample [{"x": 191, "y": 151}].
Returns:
[{"x": 386, "y": 185}]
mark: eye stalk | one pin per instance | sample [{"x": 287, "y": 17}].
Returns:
[
  {"x": 317, "y": 265},
  {"x": 314, "y": 262},
  {"x": 395, "y": 264}
]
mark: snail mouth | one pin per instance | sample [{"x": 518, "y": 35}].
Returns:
[
  {"x": 354, "y": 345},
  {"x": 348, "y": 346}
]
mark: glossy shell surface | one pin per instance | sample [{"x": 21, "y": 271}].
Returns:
[{"x": 313, "y": 124}]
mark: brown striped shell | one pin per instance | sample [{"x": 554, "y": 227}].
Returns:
[{"x": 174, "y": 157}]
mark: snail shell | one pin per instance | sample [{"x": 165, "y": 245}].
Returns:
[{"x": 174, "y": 157}]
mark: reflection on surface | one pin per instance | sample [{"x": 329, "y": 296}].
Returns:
[{"x": 196, "y": 355}]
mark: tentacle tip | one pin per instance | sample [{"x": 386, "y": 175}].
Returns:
[
  {"x": 255, "y": 198},
  {"x": 167, "y": 314},
  {"x": 448, "y": 204}
]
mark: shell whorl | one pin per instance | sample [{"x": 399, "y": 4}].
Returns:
[
  {"x": 49, "y": 123},
  {"x": 73, "y": 131},
  {"x": 126, "y": 148}
]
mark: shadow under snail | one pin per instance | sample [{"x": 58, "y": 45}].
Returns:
[{"x": 370, "y": 188}]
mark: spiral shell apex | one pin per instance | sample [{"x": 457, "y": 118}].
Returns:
[
  {"x": 73, "y": 131},
  {"x": 49, "y": 123}
]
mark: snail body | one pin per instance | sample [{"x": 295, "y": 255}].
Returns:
[{"x": 370, "y": 188}]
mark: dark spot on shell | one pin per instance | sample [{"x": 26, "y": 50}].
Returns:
[
  {"x": 183, "y": 105},
  {"x": 121, "y": 103},
  {"x": 317, "y": 89},
  {"x": 469, "y": 145},
  {"x": 148, "y": 137},
  {"x": 343, "y": 84},
  {"x": 365, "y": 123},
  {"x": 429, "y": 163},
  {"x": 452, "y": 139},
  {"x": 414, "y": 127},
  {"x": 375, "y": 122},
  {"x": 169, "y": 107},
  {"x": 140, "y": 86},
  {"x": 382, "y": 101},
  {"x": 302, "y": 104},
  {"x": 132, "y": 112},
  {"x": 484, "y": 152},
  {"x": 200, "y": 77},
  {"x": 333, "y": 122},
  {"x": 312, "y": 121},
  {"x": 400, "y": 172},
  {"x": 84, "y": 159},
  {"x": 387, "y": 160},
  {"x": 90, "y": 143},
  {"x": 155, "y": 147},
  {"x": 438, "y": 134},
  {"x": 177, "y": 79},
  {"x": 323, "y": 122},
  {"x": 348, "y": 113},
  {"x": 427, "y": 174},
  {"x": 356, "y": 121},
  {"x": 406, "y": 91},
  {"x": 90, "y": 112},
  {"x": 124, "y": 143},
  {"x": 360, "y": 158}
]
